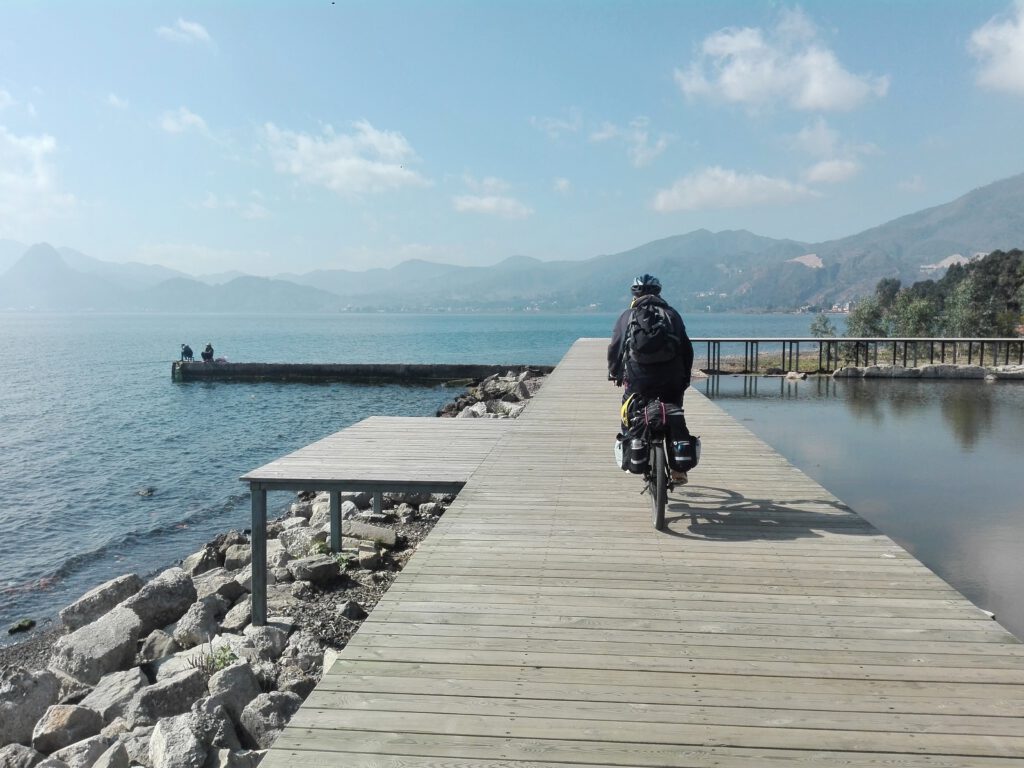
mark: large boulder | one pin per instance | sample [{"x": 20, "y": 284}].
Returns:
[
  {"x": 219, "y": 581},
  {"x": 136, "y": 744},
  {"x": 175, "y": 745},
  {"x": 239, "y": 617},
  {"x": 319, "y": 569},
  {"x": 234, "y": 687},
  {"x": 231, "y": 758},
  {"x": 848, "y": 372},
  {"x": 357, "y": 530},
  {"x": 98, "y": 601},
  {"x": 64, "y": 724},
  {"x": 112, "y": 694},
  {"x": 304, "y": 651},
  {"x": 97, "y": 649},
  {"x": 206, "y": 559},
  {"x": 266, "y": 716},
  {"x": 947, "y": 371},
  {"x": 237, "y": 556},
  {"x": 116, "y": 756},
  {"x": 163, "y": 600},
  {"x": 298, "y": 542},
  {"x": 269, "y": 640},
  {"x": 24, "y": 698},
  {"x": 157, "y": 645},
  {"x": 166, "y": 698},
  {"x": 200, "y": 622},
  {"x": 84, "y": 753},
  {"x": 19, "y": 756}
]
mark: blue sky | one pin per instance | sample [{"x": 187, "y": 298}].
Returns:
[{"x": 272, "y": 137}]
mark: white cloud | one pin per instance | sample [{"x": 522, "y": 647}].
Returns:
[
  {"x": 116, "y": 101},
  {"x": 556, "y": 127},
  {"x": 715, "y": 188},
  {"x": 493, "y": 205},
  {"x": 999, "y": 46},
  {"x": 181, "y": 120},
  {"x": 831, "y": 171},
  {"x": 562, "y": 185},
  {"x": 367, "y": 160},
  {"x": 6, "y": 100},
  {"x": 786, "y": 64},
  {"x": 185, "y": 32},
  {"x": 29, "y": 194},
  {"x": 640, "y": 147},
  {"x": 913, "y": 184},
  {"x": 489, "y": 185}
]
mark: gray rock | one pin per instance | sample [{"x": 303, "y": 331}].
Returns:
[
  {"x": 791, "y": 375},
  {"x": 62, "y": 725},
  {"x": 474, "y": 411},
  {"x": 19, "y": 756},
  {"x": 210, "y": 722},
  {"x": 430, "y": 509},
  {"x": 99, "y": 601},
  {"x": 206, "y": 559},
  {"x": 163, "y": 600},
  {"x": 323, "y": 516},
  {"x": 228, "y": 540},
  {"x": 166, "y": 698},
  {"x": 244, "y": 577},
  {"x": 946, "y": 371},
  {"x": 116, "y": 756},
  {"x": 200, "y": 622},
  {"x": 220, "y": 582},
  {"x": 238, "y": 556},
  {"x": 269, "y": 640},
  {"x": 294, "y": 680},
  {"x": 847, "y": 372},
  {"x": 362, "y": 499},
  {"x": 112, "y": 694},
  {"x": 294, "y": 522},
  {"x": 281, "y": 575},
  {"x": 239, "y": 617},
  {"x": 266, "y": 716},
  {"x": 174, "y": 745},
  {"x": 52, "y": 762},
  {"x": 301, "y": 509},
  {"x": 369, "y": 556},
  {"x": 1008, "y": 372},
  {"x": 84, "y": 753},
  {"x": 304, "y": 651},
  {"x": 235, "y": 686},
  {"x": 97, "y": 649},
  {"x": 352, "y": 610},
  {"x": 277, "y": 555},
  {"x": 24, "y": 698},
  {"x": 303, "y": 590},
  {"x": 358, "y": 530},
  {"x": 319, "y": 569},
  {"x": 157, "y": 645},
  {"x": 136, "y": 744},
  {"x": 229, "y": 758},
  {"x": 299, "y": 541}
]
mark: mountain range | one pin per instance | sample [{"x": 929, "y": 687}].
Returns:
[{"x": 730, "y": 270}]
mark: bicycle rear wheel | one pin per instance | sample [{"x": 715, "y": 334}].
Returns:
[{"x": 657, "y": 486}]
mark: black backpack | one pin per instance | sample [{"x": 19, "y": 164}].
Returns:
[{"x": 650, "y": 335}]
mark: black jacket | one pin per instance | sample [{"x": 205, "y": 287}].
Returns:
[{"x": 671, "y": 375}]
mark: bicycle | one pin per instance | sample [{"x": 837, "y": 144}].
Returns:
[{"x": 648, "y": 429}]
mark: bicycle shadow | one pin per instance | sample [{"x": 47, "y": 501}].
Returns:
[{"x": 721, "y": 513}]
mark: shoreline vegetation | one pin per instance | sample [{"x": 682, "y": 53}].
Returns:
[{"x": 170, "y": 673}]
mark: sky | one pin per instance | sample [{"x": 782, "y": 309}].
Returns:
[{"x": 284, "y": 137}]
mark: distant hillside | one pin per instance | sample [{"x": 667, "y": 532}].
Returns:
[{"x": 731, "y": 270}]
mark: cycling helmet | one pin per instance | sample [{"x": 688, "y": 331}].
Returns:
[{"x": 646, "y": 284}]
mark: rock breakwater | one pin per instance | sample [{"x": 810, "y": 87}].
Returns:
[{"x": 171, "y": 673}]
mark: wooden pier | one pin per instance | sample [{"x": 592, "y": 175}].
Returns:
[{"x": 544, "y": 623}]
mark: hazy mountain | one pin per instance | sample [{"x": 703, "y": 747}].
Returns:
[
  {"x": 10, "y": 252},
  {"x": 127, "y": 275},
  {"x": 40, "y": 279},
  {"x": 219, "y": 278},
  {"x": 724, "y": 270}
]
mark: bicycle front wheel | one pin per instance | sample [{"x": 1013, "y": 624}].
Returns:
[{"x": 658, "y": 485}]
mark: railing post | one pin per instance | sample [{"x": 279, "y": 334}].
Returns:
[
  {"x": 258, "y": 538},
  {"x": 335, "y": 521}
]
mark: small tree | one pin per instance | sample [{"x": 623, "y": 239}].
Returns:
[
  {"x": 867, "y": 319},
  {"x": 823, "y": 327}
]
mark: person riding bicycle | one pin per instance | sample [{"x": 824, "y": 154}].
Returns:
[{"x": 650, "y": 352}]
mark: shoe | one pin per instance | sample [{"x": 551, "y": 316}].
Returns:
[{"x": 679, "y": 478}]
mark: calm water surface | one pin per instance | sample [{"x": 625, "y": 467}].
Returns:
[{"x": 935, "y": 465}]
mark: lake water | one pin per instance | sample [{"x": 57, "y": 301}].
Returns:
[{"x": 90, "y": 418}]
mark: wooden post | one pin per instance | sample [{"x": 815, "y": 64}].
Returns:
[
  {"x": 259, "y": 553},
  {"x": 335, "y": 497}
]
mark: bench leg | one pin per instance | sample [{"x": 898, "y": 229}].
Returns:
[
  {"x": 259, "y": 555},
  {"x": 335, "y": 522}
]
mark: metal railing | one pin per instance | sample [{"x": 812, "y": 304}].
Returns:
[{"x": 835, "y": 352}]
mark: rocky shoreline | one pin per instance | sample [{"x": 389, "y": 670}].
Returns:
[{"x": 171, "y": 673}]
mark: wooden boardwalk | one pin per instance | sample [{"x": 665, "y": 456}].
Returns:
[{"x": 545, "y": 623}]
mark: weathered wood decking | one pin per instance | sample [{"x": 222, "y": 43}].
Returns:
[{"x": 545, "y": 623}]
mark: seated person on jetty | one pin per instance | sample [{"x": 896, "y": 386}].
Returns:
[
  {"x": 207, "y": 354},
  {"x": 186, "y": 353}
]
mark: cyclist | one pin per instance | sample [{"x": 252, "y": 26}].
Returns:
[{"x": 650, "y": 352}]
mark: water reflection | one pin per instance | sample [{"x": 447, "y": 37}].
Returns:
[{"x": 933, "y": 464}]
